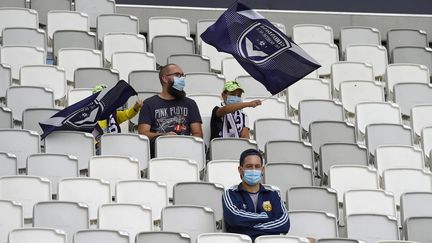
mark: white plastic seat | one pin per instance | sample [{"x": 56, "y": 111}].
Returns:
[
  {"x": 403, "y": 96},
  {"x": 201, "y": 220},
  {"x": 172, "y": 171},
  {"x": 345, "y": 71},
  {"x": 44, "y": 6},
  {"x": 280, "y": 239},
  {"x": 18, "y": 17},
  {"x": 78, "y": 144},
  {"x": 413, "y": 54},
  {"x": 394, "y": 156},
  {"x": 201, "y": 26},
  {"x": 95, "y": 8},
  {"x": 359, "y": 35},
  {"x": 204, "y": 83},
  {"x": 404, "y": 73},
  {"x": 114, "y": 168},
  {"x": 134, "y": 145},
  {"x": 89, "y": 77},
  {"x": 156, "y": 196},
  {"x": 37, "y": 235},
  {"x": 369, "y": 202},
  {"x": 93, "y": 192},
  {"x": 73, "y": 58},
  {"x": 145, "y": 80},
  {"x": 418, "y": 229},
  {"x": 325, "y": 53},
  {"x": 280, "y": 151},
  {"x": 304, "y": 33},
  {"x": 287, "y": 175},
  {"x": 307, "y": 89},
  {"x": 252, "y": 87},
  {"x": 132, "y": 218},
  {"x": 316, "y": 224},
  {"x": 163, "y": 236},
  {"x": 426, "y": 141},
  {"x": 48, "y": 76},
  {"x": 53, "y": 167},
  {"x": 115, "y": 23},
  {"x": 406, "y": 37},
  {"x": 375, "y": 112},
  {"x": 164, "y": 46},
  {"x": 66, "y": 20},
  {"x": 67, "y": 216},
  {"x": 231, "y": 69},
  {"x": 312, "y": 198},
  {"x": 191, "y": 62},
  {"x": 415, "y": 204},
  {"x": 268, "y": 129},
  {"x": 28, "y": 190},
  {"x": 372, "y": 227},
  {"x": 6, "y": 120},
  {"x": 223, "y": 172},
  {"x": 344, "y": 240},
  {"x": 18, "y": 56},
  {"x": 420, "y": 118},
  {"x": 348, "y": 177},
  {"x": 101, "y": 236},
  {"x": 25, "y": 36},
  {"x": 214, "y": 55},
  {"x": 73, "y": 39},
  {"x": 12, "y": 218},
  {"x": 158, "y": 26},
  {"x": 229, "y": 148},
  {"x": 354, "y": 92},
  {"x": 400, "y": 181},
  {"x": 5, "y": 80},
  {"x": 116, "y": 42},
  {"x": 270, "y": 107},
  {"x": 223, "y": 237},
  {"x": 9, "y": 164},
  {"x": 127, "y": 61},
  {"x": 375, "y": 55},
  {"x": 78, "y": 94},
  {"x": 322, "y": 132},
  {"x": 32, "y": 116},
  {"x": 186, "y": 147},
  {"x": 21, "y": 143}
]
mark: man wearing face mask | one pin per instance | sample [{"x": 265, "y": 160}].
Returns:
[
  {"x": 170, "y": 112},
  {"x": 228, "y": 120},
  {"x": 251, "y": 208}
]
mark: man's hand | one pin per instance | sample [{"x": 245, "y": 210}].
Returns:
[
  {"x": 254, "y": 103},
  {"x": 170, "y": 133}
]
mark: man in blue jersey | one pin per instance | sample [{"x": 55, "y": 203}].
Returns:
[{"x": 251, "y": 208}]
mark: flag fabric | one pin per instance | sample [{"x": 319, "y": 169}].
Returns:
[
  {"x": 266, "y": 53},
  {"x": 84, "y": 115}
]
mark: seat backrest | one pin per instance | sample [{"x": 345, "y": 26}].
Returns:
[
  {"x": 322, "y": 132},
  {"x": 415, "y": 204},
  {"x": 12, "y": 218},
  {"x": 73, "y": 39},
  {"x": 6, "y": 79},
  {"x": 6, "y": 120},
  {"x": 403, "y": 96},
  {"x": 280, "y": 239},
  {"x": 376, "y": 55},
  {"x": 167, "y": 26},
  {"x": 345, "y": 71},
  {"x": 418, "y": 229},
  {"x": 44, "y": 6},
  {"x": 231, "y": 69},
  {"x": 354, "y": 92},
  {"x": 145, "y": 80},
  {"x": 252, "y": 87},
  {"x": 404, "y": 73},
  {"x": 73, "y": 58},
  {"x": 307, "y": 89},
  {"x": 101, "y": 236},
  {"x": 387, "y": 134},
  {"x": 77, "y": 94},
  {"x": 47, "y": 76},
  {"x": 164, "y": 46},
  {"x": 32, "y": 117},
  {"x": 18, "y": 17},
  {"x": 115, "y": 23},
  {"x": 319, "y": 109},
  {"x": 399, "y": 181},
  {"x": 316, "y": 224},
  {"x": 224, "y": 172},
  {"x": 413, "y": 54},
  {"x": 223, "y": 237},
  {"x": 369, "y": 201},
  {"x": 268, "y": 129},
  {"x": 269, "y": 108},
  {"x": 398, "y": 156},
  {"x": 304, "y": 33},
  {"x": 426, "y": 141},
  {"x": 359, "y": 35},
  {"x": 115, "y": 42},
  {"x": 37, "y": 235},
  {"x": 372, "y": 227},
  {"x": 191, "y": 62},
  {"x": 127, "y": 61},
  {"x": 163, "y": 236},
  {"x": 312, "y": 198},
  {"x": 420, "y": 115},
  {"x": 229, "y": 148},
  {"x": 87, "y": 77},
  {"x": 21, "y": 143},
  {"x": 325, "y": 53},
  {"x": 406, "y": 37},
  {"x": 215, "y": 56},
  {"x": 341, "y": 154},
  {"x": 280, "y": 151},
  {"x": 66, "y": 20},
  {"x": 9, "y": 164},
  {"x": 18, "y": 56},
  {"x": 95, "y": 8},
  {"x": 25, "y": 36},
  {"x": 287, "y": 175},
  {"x": 204, "y": 83}
]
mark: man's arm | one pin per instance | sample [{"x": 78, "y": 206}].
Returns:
[
  {"x": 144, "y": 129},
  {"x": 196, "y": 129},
  {"x": 226, "y": 109},
  {"x": 279, "y": 222}
]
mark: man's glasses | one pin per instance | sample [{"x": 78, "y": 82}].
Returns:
[{"x": 178, "y": 75}]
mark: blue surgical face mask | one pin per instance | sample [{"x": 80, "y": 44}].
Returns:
[
  {"x": 233, "y": 99},
  {"x": 179, "y": 83},
  {"x": 252, "y": 177}
]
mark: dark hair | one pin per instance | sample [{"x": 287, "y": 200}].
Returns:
[
  {"x": 249, "y": 152},
  {"x": 162, "y": 70}
]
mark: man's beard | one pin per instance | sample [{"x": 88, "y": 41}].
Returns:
[{"x": 176, "y": 93}]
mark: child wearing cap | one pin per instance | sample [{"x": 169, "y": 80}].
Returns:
[{"x": 228, "y": 119}]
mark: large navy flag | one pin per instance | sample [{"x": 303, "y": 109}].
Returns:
[
  {"x": 266, "y": 53},
  {"x": 84, "y": 115}
]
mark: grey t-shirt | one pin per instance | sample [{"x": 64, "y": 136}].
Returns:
[
  {"x": 169, "y": 115},
  {"x": 254, "y": 197}
]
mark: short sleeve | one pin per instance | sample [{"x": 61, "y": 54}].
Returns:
[
  {"x": 194, "y": 115},
  {"x": 145, "y": 114}
]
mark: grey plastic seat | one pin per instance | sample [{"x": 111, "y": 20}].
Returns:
[
  {"x": 190, "y": 62},
  {"x": 13, "y": 3},
  {"x": 6, "y": 120},
  {"x": 32, "y": 117},
  {"x": 18, "y": 17},
  {"x": 100, "y": 236},
  {"x": 372, "y": 227},
  {"x": 229, "y": 148},
  {"x": 337, "y": 240},
  {"x": 89, "y": 77},
  {"x": 322, "y": 132},
  {"x": 418, "y": 229},
  {"x": 37, "y": 235},
  {"x": 387, "y": 134},
  {"x": 406, "y": 95},
  {"x": 406, "y": 37},
  {"x": 268, "y": 129},
  {"x": 223, "y": 237},
  {"x": 115, "y": 23},
  {"x": 95, "y": 8},
  {"x": 44, "y": 6},
  {"x": 398, "y": 156},
  {"x": 25, "y": 36},
  {"x": 204, "y": 83},
  {"x": 162, "y": 236},
  {"x": 9, "y": 164},
  {"x": 145, "y": 81},
  {"x": 21, "y": 143},
  {"x": 12, "y": 218},
  {"x": 415, "y": 204},
  {"x": 73, "y": 39},
  {"x": 287, "y": 175},
  {"x": 369, "y": 201},
  {"x": 316, "y": 224},
  {"x": 5, "y": 80},
  {"x": 224, "y": 172},
  {"x": 344, "y": 71},
  {"x": 280, "y": 151},
  {"x": 358, "y": 35},
  {"x": 404, "y": 73},
  {"x": 413, "y": 54},
  {"x": 312, "y": 198},
  {"x": 164, "y": 46}
]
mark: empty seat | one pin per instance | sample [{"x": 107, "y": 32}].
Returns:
[
  {"x": 73, "y": 39},
  {"x": 78, "y": 94},
  {"x": 375, "y": 55},
  {"x": 28, "y": 190},
  {"x": 224, "y": 172},
  {"x": 18, "y": 17},
  {"x": 202, "y": 220},
  {"x": 326, "y": 54},
  {"x": 316, "y": 224},
  {"x": 354, "y": 92},
  {"x": 164, "y": 46},
  {"x": 420, "y": 118},
  {"x": 304, "y": 33},
  {"x": 115, "y": 23},
  {"x": 9, "y": 164},
  {"x": 145, "y": 80},
  {"x": 413, "y": 54},
  {"x": 78, "y": 144},
  {"x": 214, "y": 55},
  {"x": 205, "y": 104},
  {"x": 67, "y": 216},
  {"x": 156, "y": 196},
  {"x": 287, "y": 175},
  {"x": 12, "y": 218},
  {"x": 21, "y": 143},
  {"x": 252, "y": 87},
  {"x": 394, "y": 156},
  {"x": 418, "y": 229},
  {"x": 203, "y": 83},
  {"x": 415, "y": 204},
  {"x": 18, "y": 56},
  {"x": 116, "y": 42},
  {"x": 47, "y": 76},
  {"x": 280, "y": 151},
  {"x": 66, "y": 20},
  {"x": 163, "y": 236},
  {"x": 372, "y": 227},
  {"x": 312, "y": 198},
  {"x": 12, "y": 3},
  {"x": 406, "y": 37},
  {"x": 307, "y": 89},
  {"x": 93, "y": 192},
  {"x": 268, "y": 129},
  {"x": 101, "y": 236},
  {"x": 6, "y": 120},
  {"x": 25, "y": 36},
  {"x": 126, "y": 62},
  {"x": 5, "y": 80},
  {"x": 358, "y": 35},
  {"x": 73, "y": 58},
  {"x": 223, "y": 237},
  {"x": 231, "y": 69},
  {"x": 322, "y": 132},
  {"x": 403, "y": 96},
  {"x": 426, "y": 141},
  {"x": 89, "y": 77},
  {"x": 229, "y": 148},
  {"x": 37, "y": 235},
  {"x": 369, "y": 202},
  {"x": 340, "y": 240},
  {"x": 95, "y": 8},
  {"x": 191, "y": 63},
  {"x": 346, "y": 71},
  {"x": 52, "y": 166},
  {"x": 404, "y": 73},
  {"x": 44, "y": 6},
  {"x": 158, "y": 26},
  {"x": 280, "y": 239},
  {"x": 270, "y": 107},
  {"x": 348, "y": 177}
]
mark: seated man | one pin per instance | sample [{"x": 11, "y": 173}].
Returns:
[
  {"x": 170, "y": 112},
  {"x": 228, "y": 120},
  {"x": 251, "y": 208}
]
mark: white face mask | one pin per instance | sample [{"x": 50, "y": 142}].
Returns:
[
  {"x": 233, "y": 99},
  {"x": 179, "y": 83}
]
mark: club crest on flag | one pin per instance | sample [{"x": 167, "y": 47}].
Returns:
[{"x": 260, "y": 42}]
